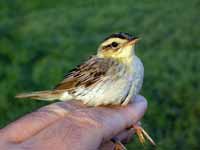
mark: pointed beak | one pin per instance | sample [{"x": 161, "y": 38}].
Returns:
[{"x": 133, "y": 40}]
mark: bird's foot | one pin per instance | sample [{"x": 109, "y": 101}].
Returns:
[
  {"x": 142, "y": 134},
  {"x": 118, "y": 144}
]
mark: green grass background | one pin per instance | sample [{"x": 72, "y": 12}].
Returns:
[{"x": 42, "y": 40}]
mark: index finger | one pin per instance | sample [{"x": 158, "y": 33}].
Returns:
[{"x": 123, "y": 117}]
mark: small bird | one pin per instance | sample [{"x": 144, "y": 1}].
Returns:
[{"x": 113, "y": 76}]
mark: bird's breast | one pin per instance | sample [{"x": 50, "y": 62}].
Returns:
[{"x": 138, "y": 75}]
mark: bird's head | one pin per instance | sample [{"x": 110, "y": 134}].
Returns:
[{"x": 118, "y": 46}]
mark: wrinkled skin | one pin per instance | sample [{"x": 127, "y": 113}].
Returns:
[{"x": 71, "y": 125}]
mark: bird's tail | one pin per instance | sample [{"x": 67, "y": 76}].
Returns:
[{"x": 41, "y": 95}]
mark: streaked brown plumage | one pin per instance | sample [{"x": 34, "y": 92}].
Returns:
[{"x": 88, "y": 73}]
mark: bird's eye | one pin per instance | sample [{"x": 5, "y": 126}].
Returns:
[{"x": 114, "y": 44}]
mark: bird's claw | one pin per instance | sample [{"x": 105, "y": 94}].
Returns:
[
  {"x": 143, "y": 135},
  {"x": 117, "y": 144}
]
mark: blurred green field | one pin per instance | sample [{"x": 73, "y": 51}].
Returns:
[{"x": 42, "y": 40}]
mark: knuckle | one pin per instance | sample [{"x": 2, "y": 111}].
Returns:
[{"x": 53, "y": 109}]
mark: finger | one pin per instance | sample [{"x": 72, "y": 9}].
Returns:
[
  {"x": 110, "y": 121},
  {"x": 107, "y": 146},
  {"x": 115, "y": 120},
  {"x": 124, "y": 117},
  {"x": 33, "y": 123},
  {"x": 124, "y": 137}
]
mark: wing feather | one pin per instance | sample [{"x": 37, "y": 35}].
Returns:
[{"x": 87, "y": 74}]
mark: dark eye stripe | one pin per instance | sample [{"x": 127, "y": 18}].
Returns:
[
  {"x": 112, "y": 45},
  {"x": 106, "y": 46}
]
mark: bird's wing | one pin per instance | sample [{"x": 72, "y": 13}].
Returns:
[{"x": 87, "y": 74}]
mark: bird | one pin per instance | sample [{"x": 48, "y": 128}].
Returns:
[{"x": 113, "y": 76}]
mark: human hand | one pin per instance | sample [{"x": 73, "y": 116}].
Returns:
[{"x": 72, "y": 126}]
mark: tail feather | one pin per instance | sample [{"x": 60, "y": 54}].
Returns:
[{"x": 41, "y": 95}]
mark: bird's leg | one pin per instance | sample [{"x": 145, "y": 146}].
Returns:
[
  {"x": 118, "y": 144},
  {"x": 142, "y": 134}
]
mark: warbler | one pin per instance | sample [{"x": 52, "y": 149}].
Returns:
[{"x": 113, "y": 76}]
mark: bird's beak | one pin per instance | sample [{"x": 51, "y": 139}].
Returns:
[{"x": 133, "y": 41}]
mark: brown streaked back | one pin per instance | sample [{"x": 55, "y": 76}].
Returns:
[{"x": 87, "y": 74}]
